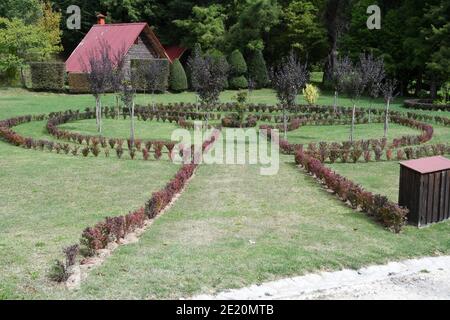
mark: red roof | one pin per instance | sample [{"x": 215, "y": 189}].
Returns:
[
  {"x": 428, "y": 165},
  {"x": 118, "y": 36},
  {"x": 174, "y": 52}
]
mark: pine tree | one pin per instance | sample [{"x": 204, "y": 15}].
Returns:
[
  {"x": 178, "y": 79},
  {"x": 257, "y": 69}
]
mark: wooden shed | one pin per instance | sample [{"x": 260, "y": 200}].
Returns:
[{"x": 425, "y": 189}]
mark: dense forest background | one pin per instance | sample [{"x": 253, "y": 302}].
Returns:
[{"x": 414, "y": 38}]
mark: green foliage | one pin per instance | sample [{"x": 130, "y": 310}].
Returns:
[
  {"x": 47, "y": 75},
  {"x": 238, "y": 82},
  {"x": 178, "y": 79},
  {"x": 28, "y": 11},
  {"x": 205, "y": 26},
  {"x": 21, "y": 42},
  {"x": 237, "y": 63},
  {"x": 255, "y": 18},
  {"x": 305, "y": 30},
  {"x": 257, "y": 69}
]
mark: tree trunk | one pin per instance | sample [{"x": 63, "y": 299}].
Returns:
[
  {"x": 132, "y": 125},
  {"x": 335, "y": 101},
  {"x": 370, "y": 108},
  {"x": 97, "y": 117},
  {"x": 433, "y": 89},
  {"x": 285, "y": 123},
  {"x": 117, "y": 106},
  {"x": 100, "y": 115},
  {"x": 386, "y": 118},
  {"x": 153, "y": 101},
  {"x": 352, "y": 130}
]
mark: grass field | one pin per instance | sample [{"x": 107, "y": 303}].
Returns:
[{"x": 231, "y": 227}]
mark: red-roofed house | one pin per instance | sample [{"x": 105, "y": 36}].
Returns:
[{"x": 138, "y": 40}]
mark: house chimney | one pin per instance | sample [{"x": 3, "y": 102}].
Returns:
[{"x": 101, "y": 19}]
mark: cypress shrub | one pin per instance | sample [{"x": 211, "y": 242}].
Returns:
[
  {"x": 238, "y": 70},
  {"x": 239, "y": 82},
  {"x": 257, "y": 69},
  {"x": 178, "y": 79},
  {"x": 47, "y": 75}
]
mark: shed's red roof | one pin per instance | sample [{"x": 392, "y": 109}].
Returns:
[
  {"x": 428, "y": 165},
  {"x": 174, "y": 52},
  {"x": 118, "y": 36}
]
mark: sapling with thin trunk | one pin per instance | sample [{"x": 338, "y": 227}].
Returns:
[
  {"x": 341, "y": 67},
  {"x": 288, "y": 78},
  {"x": 99, "y": 69},
  {"x": 388, "y": 90},
  {"x": 353, "y": 83},
  {"x": 373, "y": 72}
]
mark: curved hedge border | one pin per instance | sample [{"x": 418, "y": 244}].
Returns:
[
  {"x": 424, "y": 104},
  {"x": 388, "y": 213}
]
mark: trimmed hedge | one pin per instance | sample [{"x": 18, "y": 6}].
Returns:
[
  {"x": 388, "y": 213},
  {"x": 163, "y": 80},
  {"x": 78, "y": 83},
  {"x": 47, "y": 75},
  {"x": 178, "y": 79}
]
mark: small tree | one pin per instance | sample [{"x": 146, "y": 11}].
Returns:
[
  {"x": 257, "y": 70},
  {"x": 130, "y": 81},
  {"x": 151, "y": 74},
  {"x": 341, "y": 67},
  {"x": 118, "y": 75},
  {"x": 373, "y": 71},
  {"x": 99, "y": 70},
  {"x": 288, "y": 79},
  {"x": 238, "y": 70},
  {"x": 241, "y": 99},
  {"x": 353, "y": 82},
  {"x": 178, "y": 80},
  {"x": 208, "y": 77},
  {"x": 388, "y": 90}
]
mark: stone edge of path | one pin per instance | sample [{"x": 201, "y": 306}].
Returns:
[{"x": 315, "y": 282}]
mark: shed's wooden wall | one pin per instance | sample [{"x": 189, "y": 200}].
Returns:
[{"x": 427, "y": 196}]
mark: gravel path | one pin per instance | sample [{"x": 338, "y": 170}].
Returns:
[{"x": 425, "y": 278}]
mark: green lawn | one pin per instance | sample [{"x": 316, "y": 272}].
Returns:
[
  {"x": 341, "y": 133},
  {"x": 231, "y": 227}
]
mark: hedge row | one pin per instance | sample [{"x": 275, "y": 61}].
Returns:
[
  {"x": 314, "y": 112},
  {"x": 425, "y": 105},
  {"x": 344, "y": 150},
  {"x": 113, "y": 229},
  {"x": 49, "y": 76},
  {"x": 92, "y": 143},
  {"x": 54, "y": 130},
  {"x": 388, "y": 213}
]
